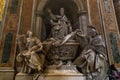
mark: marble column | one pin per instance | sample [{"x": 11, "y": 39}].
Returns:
[
  {"x": 38, "y": 24},
  {"x": 83, "y": 21}
]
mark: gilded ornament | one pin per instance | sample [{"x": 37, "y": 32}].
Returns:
[{"x": 2, "y": 5}]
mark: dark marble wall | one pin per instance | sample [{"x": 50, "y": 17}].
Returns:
[
  {"x": 114, "y": 47},
  {"x": 14, "y": 6},
  {"x": 7, "y": 48}
]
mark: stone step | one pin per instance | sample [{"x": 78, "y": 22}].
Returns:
[
  {"x": 62, "y": 75},
  {"x": 20, "y": 76},
  {"x": 54, "y": 76},
  {"x": 65, "y": 72}
]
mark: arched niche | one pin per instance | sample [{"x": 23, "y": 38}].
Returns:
[{"x": 41, "y": 25}]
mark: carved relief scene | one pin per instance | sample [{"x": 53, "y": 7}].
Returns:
[{"x": 59, "y": 39}]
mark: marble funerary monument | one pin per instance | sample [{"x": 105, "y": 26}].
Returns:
[{"x": 58, "y": 39}]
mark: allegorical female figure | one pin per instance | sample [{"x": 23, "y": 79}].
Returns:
[{"x": 31, "y": 53}]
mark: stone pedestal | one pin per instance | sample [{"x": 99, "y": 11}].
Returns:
[
  {"x": 7, "y": 73},
  {"x": 62, "y": 76},
  {"x": 20, "y": 76},
  {"x": 65, "y": 72},
  {"x": 51, "y": 73}
]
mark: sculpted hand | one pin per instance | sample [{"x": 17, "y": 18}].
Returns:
[
  {"x": 32, "y": 52},
  {"x": 57, "y": 43}
]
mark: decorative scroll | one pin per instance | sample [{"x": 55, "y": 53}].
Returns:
[
  {"x": 2, "y": 5},
  {"x": 7, "y": 48},
  {"x": 114, "y": 47}
]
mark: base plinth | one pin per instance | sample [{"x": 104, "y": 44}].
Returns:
[
  {"x": 20, "y": 76},
  {"x": 51, "y": 73}
]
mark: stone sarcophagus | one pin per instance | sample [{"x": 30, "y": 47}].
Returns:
[{"x": 64, "y": 52}]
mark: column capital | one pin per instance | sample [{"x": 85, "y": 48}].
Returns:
[
  {"x": 82, "y": 12},
  {"x": 39, "y": 13}
]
